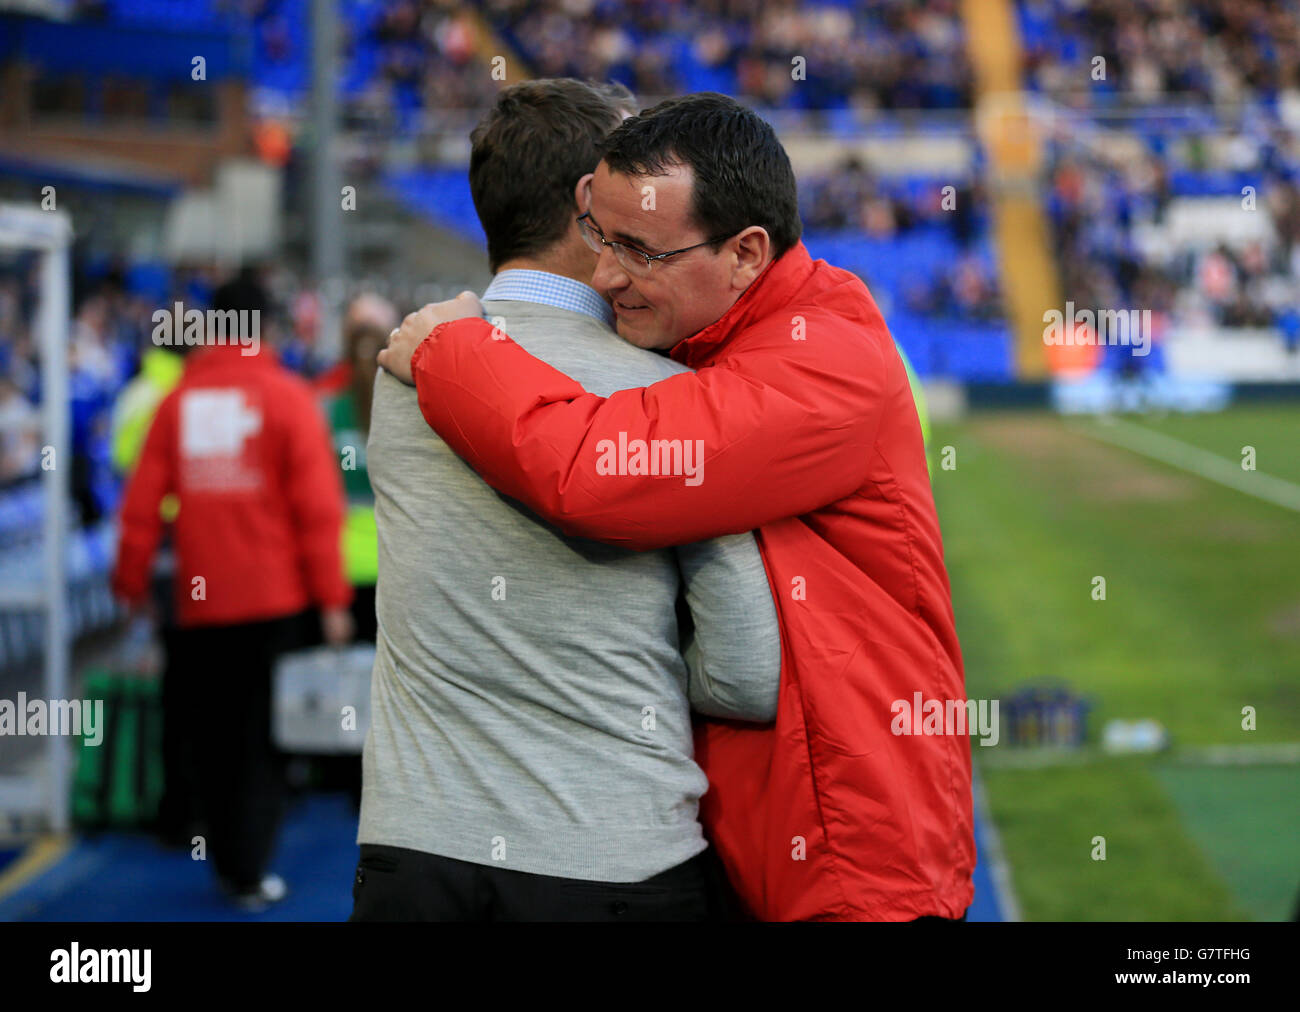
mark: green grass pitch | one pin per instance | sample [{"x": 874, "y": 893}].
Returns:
[{"x": 1201, "y": 618}]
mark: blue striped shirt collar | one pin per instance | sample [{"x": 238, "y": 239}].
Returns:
[{"x": 547, "y": 289}]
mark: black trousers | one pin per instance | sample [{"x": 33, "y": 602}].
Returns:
[
  {"x": 397, "y": 884},
  {"x": 179, "y": 809},
  {"x": 240, "y": 772},
  {"x": 363, "y": 613}
]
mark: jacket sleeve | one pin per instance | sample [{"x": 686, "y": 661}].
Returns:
[
  {"x": 785, "y": 428},
  {"x": 140, "y": 526},
  {"x": 733, "y": 655},
  {"x": 314, "y": 488}
]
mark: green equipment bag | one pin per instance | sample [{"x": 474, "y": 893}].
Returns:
[{"x": 119, "y": 782}]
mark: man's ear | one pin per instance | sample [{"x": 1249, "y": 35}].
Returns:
[
  {"x": 582, "y": 193},
  {"x": 753, "y": 253}
]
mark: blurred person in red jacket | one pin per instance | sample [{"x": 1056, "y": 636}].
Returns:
[
  {"x": 243, "y": 444},
  {"x": 809, "y": 433}
]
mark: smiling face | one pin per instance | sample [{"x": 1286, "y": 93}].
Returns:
[{"x": 682, "y": 294}]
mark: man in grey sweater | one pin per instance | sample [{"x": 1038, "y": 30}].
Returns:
[{"x": 530, "y": 753}]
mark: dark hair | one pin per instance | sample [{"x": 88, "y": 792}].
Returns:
[
  {"x": 742, "y": 173},
  {"x": 244, "y": 291},
  {"x": 618, "y": 93},
  {"x": 528, "y": 154}
]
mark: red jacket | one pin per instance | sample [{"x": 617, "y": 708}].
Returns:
[
  {"x": 242, "y": 443},
  {"x": 810, "y": 436}
]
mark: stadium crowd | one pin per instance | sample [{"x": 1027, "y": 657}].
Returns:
[
  {"x": 404, "y": 57},
  {"x": 1155, "y": 102},
  {"x": 1103, "y": 195},
  {"x": 851, "y": 198},
  {"x": 883, "y": 54},
  {"x": 1216, "y": 52}
]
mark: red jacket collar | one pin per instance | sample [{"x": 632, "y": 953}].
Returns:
[{"x": 774, "y": 288}]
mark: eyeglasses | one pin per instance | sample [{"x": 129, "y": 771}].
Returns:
[{"x": 635, "y": 261}]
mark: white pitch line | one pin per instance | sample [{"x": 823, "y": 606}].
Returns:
[
  {"x": 1041, "y": 758},
  {"x": 999, "y": 870},
  {"x": 1281, "y": 754},
  {"x": 1187, "y": 457}
]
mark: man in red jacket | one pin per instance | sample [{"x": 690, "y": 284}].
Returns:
[
  {"x": 242, "y": 444},
  {"x": 840, "y": 810}
]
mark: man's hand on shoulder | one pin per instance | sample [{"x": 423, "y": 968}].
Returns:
[{"x": 402, "y": 342}]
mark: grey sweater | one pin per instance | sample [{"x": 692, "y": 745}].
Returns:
[{"x": 530, "y": 699}]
